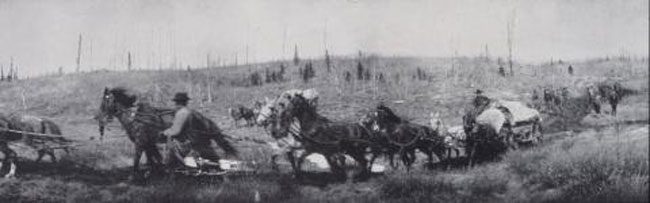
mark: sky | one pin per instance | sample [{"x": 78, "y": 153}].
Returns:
[{"x": 42, "y": 35}]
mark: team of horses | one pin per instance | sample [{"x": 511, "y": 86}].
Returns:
[
  {"x": 293, "y": 121},
  {"x": 28, "y": 130}
]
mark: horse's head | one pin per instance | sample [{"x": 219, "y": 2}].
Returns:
[
  {"x": 113, "y": 100},
  {"x": 265, "y": 112},
  {"x": 386, "y": 117},
  {"x": 370, "y": 121},
  {"x": 273, "y": 127},
  {"x": 296, "y": 108},
  {"x": 291, "y": 105}
]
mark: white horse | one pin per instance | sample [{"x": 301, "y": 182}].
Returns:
[
  {"x": 271, "y": 105},
  {"x": 270, "y": 109}
]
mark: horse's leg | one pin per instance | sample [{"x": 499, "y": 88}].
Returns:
[
  {"x": 41, "y": 153},
  {"x": 391, "y": 159},
  {"x": 405, "y": 159},
  {"x": 294, "y": 163},
  {"x": 300, "y": 161},
  {"x": 292, "y": 160},
  {"x": 274, "y": 164},
  {"x": 154, "y": 159},
  {"x": 155, "y": 154},
  {"x": 596, "y": 107},
  {"x": 363, "y": 165},
  {"x": 614, "y": 103},
  {"x": 10, "y": 158},
  {"x": 372, "y": 159},
  {"x": 430, "y": 158},
  {"x": 411, "y": 156},
  {"x": 340, "y": 160},
  {"x": 470, "y": 157},
  {"x": 51, "y": 153},
  {"x": 136, "y": 161},
  {"x": 334, "y": 163}
]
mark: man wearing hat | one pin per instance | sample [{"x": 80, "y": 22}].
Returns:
[
  {"x": 182, "y": 113},
  {"x": 184, "y": 147},
  {"x": 178, "y": 148},
  {"x": 480, "y": 100},
  {"x": 480, "y": 103}
]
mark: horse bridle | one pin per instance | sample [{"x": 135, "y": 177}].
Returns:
[{"x": 115, "y": 110}]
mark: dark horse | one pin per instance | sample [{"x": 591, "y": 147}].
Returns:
[
  {"x": 612, "y": 92},
  {"x": 241, "y": 112},
  {"x": 144, "y": 123},
  {"x": 406, "y": 137},
  {"x": 13, "y": 124},
  {"x": 320, "y": 135}
]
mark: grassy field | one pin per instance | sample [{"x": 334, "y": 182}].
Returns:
[{"x": 592, "y": 160}]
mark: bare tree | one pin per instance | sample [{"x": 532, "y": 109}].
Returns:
[
  {"x": 79, "y": 54},
  {"x": 129, "y": 62},
  {"x": 510, "y": 27},
  {"x": 328, "y": 61},
  {"x": 296, "y": 59}
]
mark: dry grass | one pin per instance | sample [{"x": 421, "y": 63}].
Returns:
[{"x": 605, "y": 165}]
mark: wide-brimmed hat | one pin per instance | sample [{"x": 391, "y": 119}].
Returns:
[
  {"x": 181, "y": 97},
  {"x": 478, "y": 91}
]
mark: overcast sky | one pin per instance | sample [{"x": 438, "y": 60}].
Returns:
[{"x": 42, "y": 35}]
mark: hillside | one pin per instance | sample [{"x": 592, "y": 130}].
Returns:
[{"x": 97, "y": 170}]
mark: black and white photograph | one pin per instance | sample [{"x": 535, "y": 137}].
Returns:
[{"x": 324, "y": 101}]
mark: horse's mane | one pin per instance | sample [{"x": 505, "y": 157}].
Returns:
[
  {"x": 390, "y": 115},
  {"x": 147, "y": 107},
  {"x": 123, "y": 96},
  {"x": 303, "y": 105}
]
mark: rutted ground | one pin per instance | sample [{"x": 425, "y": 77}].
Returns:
[{"x": 571, "y": 166}]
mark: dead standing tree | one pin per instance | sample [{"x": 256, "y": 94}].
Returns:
[
  {"x": 129, "y": 62},
  {"x": 510, "y": 27},
  {"x": 296, "y": 59},
  {"x": 79, "y": 54},
  {"x": 328, "y": 62}
]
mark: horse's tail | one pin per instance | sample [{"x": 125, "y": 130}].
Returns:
[
  {"x": 215, "y": 133},
  {"x": 227, "y": 147},
  {"x": 50, "y": 127}
]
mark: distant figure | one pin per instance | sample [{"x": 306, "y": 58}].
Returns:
[
  {"x": 570, "y": 70},
  {"x": 241, "y": 112},
  {"x": 348, "y": 76},
  {"x": 535, "y": 95},
  {"x": 502, "y": 71},
  {"x": 480, "y": 100}
]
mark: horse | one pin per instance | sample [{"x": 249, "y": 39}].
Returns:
[
  {"x": 267, "y": 117},
  {"x": 321, "y": 135},
  {"x": 612, "y": 92},
  {"x": 270, "y": 105},
  {"x": 13, "y": 125},
  {"x": 241, "y": 112},
  {"x": 33, "y": 124},
  {"x": 143, "y": 124},
  {"x": 407, "y": 136},
  {"x": 498, "y": 128},
  {"x": 555, "y": 96}
]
